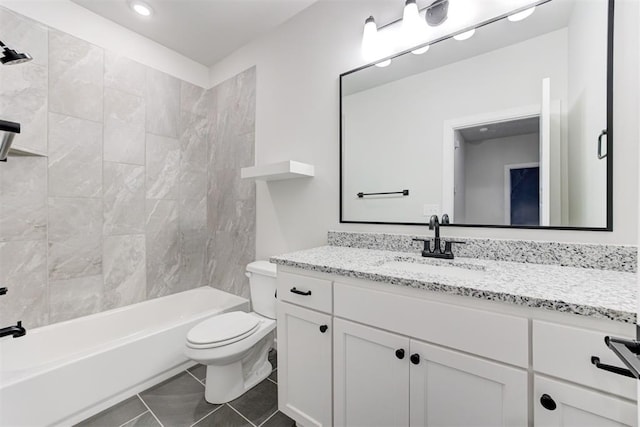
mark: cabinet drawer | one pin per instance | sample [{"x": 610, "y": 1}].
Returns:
[
  {"x": 306, "y": 291},
  {"x": 565, "y": 352},
  {"x": 570, "y": 405},
  {"x": 496, "y": 336}
]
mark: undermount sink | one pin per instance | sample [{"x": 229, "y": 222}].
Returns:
[{"x": 461, "y": 271}]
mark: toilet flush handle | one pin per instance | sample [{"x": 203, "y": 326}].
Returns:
[{"x": 248, "y": 274}]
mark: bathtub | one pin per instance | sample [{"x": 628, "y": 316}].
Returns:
[{"x": 65, "y": 372}]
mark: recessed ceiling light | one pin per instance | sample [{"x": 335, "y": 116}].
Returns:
[
  {"x": 521, "y": 15},
  {"x": 141, "y": 8},
  {"x": 466, "y": 35}
]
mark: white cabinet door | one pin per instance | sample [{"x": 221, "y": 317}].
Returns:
[
  {"x": 449, "y": 388},
  {"x": 304, "y": 365},
  {"x": 557, "y": 403},
  {"x": 371, "y": 376}
]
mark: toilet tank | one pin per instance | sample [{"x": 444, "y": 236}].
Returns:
[{"x": 262, "y": 282}]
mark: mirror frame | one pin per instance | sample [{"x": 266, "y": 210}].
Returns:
[{"x": 609, "y": 84}]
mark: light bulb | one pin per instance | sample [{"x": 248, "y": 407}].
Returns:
[
  {"x": 369, "y": 39},
  {"x": 411, "y": 16},
  {"x": 384, "y": 63},
  {"x": 466, "y": 35},
  {"x": 521, "y": 15},
  {"x": 141, "y": 8},
  {"x": 420, "y": 50}
]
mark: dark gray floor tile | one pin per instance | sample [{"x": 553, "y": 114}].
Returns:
[
  {"x": 179, "y": 401},
  {"x": 279, "y": 420},
  {"x": 199, "y": 371},
  {"x": 145, "y": 420},
  {"x": 117, "y": 414},
  {"x": 274, "y": 376},
  {"x": 224, "y": 417},
  {"x": 273, "y": 358},
  {"x": 258, "y": 403}
]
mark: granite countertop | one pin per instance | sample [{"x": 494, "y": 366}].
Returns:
[{"x": 601, "y": 294}]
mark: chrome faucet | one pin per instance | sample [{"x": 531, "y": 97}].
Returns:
[
  {"x": 16, "y": 331},
  {"x": 437, "y": 251}
]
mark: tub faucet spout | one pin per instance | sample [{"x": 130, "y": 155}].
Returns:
[{"x": 16, "y": 331}]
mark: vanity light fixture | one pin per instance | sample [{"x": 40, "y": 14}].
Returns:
[
  {"x": 384, "y": 63},
  {"x": 466, "y": 35},
  {"x": 141, "y": 8},
  {"x": 437, "y": 12},
  {"x": 369, "y": 39},
  {"x": 519, "y": 16}
]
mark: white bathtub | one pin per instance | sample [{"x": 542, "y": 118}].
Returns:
[{"x": 62, "y": 373}]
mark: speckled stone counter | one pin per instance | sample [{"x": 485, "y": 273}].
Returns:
[{"x": 601, "y": 294}]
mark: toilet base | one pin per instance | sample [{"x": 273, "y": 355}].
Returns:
[{"x": 228, "y": 382}]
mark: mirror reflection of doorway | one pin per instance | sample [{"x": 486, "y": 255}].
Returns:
[
  {"x": 522, "y": 194},
  {"x": 497, "y": 173}
]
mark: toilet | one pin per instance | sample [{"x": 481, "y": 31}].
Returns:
[{"x": 235, "y": 346}]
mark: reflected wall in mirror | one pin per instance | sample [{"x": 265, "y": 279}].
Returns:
[{"x": 500, "y": 130}]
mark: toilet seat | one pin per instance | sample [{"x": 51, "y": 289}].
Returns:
[{"x": 223, "y": 330}]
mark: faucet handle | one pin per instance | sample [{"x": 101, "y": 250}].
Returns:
[
  {"x": 427, "y": 245},
  {"x": 458, "y": 242},
  {"x": 445, "y": 219}
]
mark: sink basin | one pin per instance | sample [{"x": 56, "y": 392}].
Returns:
[{"x": 447, "y": 270}]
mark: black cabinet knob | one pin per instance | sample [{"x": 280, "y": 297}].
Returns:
[
  {"x": 323, "y": 328},
  {"x": 400, "y": 353},
  {"x": 415, "y": 358},
  {"x": 547, "y": 402}
]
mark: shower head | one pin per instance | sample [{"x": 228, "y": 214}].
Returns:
[
  {"x": 8, "y": 131},
  {"x": 12, "y": 56}
]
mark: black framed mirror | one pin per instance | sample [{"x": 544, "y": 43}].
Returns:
[{"x": 512, "y": 128}]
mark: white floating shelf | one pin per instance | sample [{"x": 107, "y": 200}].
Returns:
[{"x": 278, "y": 171}]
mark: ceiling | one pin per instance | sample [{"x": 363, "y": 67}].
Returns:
[
  {"x": 203, "y": 30},
  {"x": 501, "y": 129}
]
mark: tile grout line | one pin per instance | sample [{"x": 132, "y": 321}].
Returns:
[
  {"x": 207, "y": 415},
  {"x": 238, "y": 412},
  {"x": 272, "y": 381},
  {"x": 268, "y": 418},
  {"x": 149, "y": 409},
  {"x": 134, "y": 418},
  {"x": 196, "y": 378}
]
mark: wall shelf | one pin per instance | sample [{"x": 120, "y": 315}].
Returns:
[
  {"x": 288, "y": 169},
  {"x": 23, "y": 151}
]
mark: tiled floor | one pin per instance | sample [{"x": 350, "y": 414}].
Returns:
[{"x": 179, "y": 401}]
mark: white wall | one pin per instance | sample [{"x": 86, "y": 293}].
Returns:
[
  {"x": 297, "y": 117},
  {"x": 587, "y": 175},
  {"x": 394, "y": 132},
  {"x": 484, "y": 164}
]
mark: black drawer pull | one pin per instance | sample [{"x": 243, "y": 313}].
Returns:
[
  {"x": 305, "y": 293},
  {"x": 615, "y": 369},
  {"x": 400, "y": 353},
  {"x": 323, "y": 328},
  {"x": 415, "y": 358},
  {"x": 547, "y": 402}
]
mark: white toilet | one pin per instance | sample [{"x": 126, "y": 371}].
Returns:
[{"x": 235, "y": 346}]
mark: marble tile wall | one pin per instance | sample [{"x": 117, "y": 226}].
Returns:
[
  {"x": 232, "y": 220},
  {"x": 137, "y": 194}
]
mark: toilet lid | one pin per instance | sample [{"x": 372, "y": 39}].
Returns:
[{"x": 224, "y": 327}]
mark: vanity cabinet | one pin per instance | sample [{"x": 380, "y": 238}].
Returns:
[
  {"x": 305, "y": 349},
  {"x": 396, "y": 356},
  {"x": 417, "y": 384}
]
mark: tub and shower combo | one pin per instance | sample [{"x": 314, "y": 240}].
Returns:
[{"x": 63, "y": 373}]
